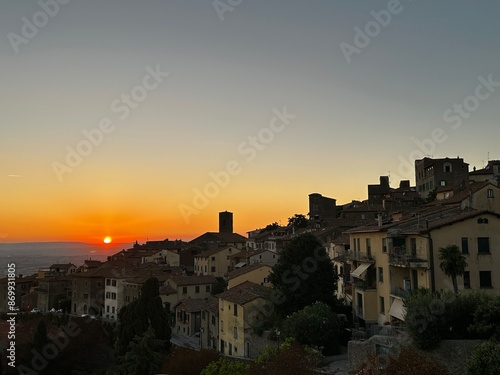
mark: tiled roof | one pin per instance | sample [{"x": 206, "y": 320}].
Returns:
[
  {"x": 193, "y": 280},
  {"x": 246, "y": 269},
  {"x": 218, "y": 237},
  {"x": 212, "y": 305},
  {"x": 191, "y": 305},
  {"x": 167, "y": 290},
  {"x": 247, "y": 253},
  {"x": 244, "y": 293}
]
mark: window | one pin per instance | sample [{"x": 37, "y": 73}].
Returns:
[
  {"x": 207, "y": 288},
  {"x": 442, "y": 183},
  {"x": 222, "y": 326},
  {"x": 108, "y": 281},
  {"x": 368, "y": 246},
  {"x": 354, "y": 245},
  {"x": 490, "y": 193},
  {"x": 483, "y": 245},
  {"x": 485, "y": 279},
  {"x": 127, "y": 299},
  {"x": 382, "y": 305},
  {"x": 113, "y": 282},
  {"x": 213, "y": 320},
  {"x": 197, "y": 289},
  {"x": 107, "y": 309},
  {"x": 381, "y": 274},
  {"x": 108, "y": 294},
  {"x": 113, "y": 296},
  {"x": 206, "y": 268},
  {"x": 212, "y": 269},
  {"x": 235, "y": 310},
  {"x": 213, "y": 259},
  {"x": 384, "y": 245},
  {"x": 184, "y": 290},
  {"x": 359, "y": 243},
  {"x": 466, "y": 279},
  {"x": 413, "y": 246},
  {"x": 235, "y": 332},
  {"x": 85, "y": 295},
  {"x": 465, "y": 245},
  {"x": 447, "y": 167},
  {"x": 113, "y": 309}
]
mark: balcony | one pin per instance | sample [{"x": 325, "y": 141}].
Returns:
[
  {"x": 360, "y": 256},
  {"x": 400, "y": 292},
  {"x": 407, "y": 260}
]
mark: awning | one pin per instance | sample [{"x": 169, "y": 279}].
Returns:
[
  {"x": 397, "y": 309},
  {"x": 358, "y": 271},
  {"x": 240, "y": 264}
]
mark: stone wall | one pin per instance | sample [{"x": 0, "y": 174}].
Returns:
[{"x": 453, "y": 354}]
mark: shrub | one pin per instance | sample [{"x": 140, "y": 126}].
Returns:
[
  {"x": 485, "y": 359},
  {"x": 226, "y": 366}
]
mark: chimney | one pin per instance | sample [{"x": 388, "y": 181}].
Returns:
[{"x": 225, "y": 222}]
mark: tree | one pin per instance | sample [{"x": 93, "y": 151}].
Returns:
[
  {"x": 290, "y": 359},
  {"x": 270, "y": 227},
  {"x": 303, "y": 275},
  {"x": 452, "y": 263},
  {"x": 219, "y": 287},
  {"x": 298, "y": 221},
  {"x": 136, "y": 317},
  {"x": 485, "y": 359},
  {"x": 425, "y": 317},
  {"x": 184, "y": 361},
  {"x": 408, "y": 362},
  {"x": 40, "y": 339},
  {"x": 225, "y": 366},
  {"x": 145, "y": 355},
  {"x": 316, "y": 326}
]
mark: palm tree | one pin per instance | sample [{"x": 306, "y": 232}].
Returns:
[{"x": 452, "y": 263}]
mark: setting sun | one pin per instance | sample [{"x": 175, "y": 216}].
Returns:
[{"x": 107, "y": 240}]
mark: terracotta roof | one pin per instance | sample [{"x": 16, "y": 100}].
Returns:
[
  {"x": 193, "y": 280},
  {"x": 167, "y": 290},
  {"x": 212, "y": 305},
  {"x": 191, "y": 305},
  {"x": 244, "y": 293},
  {"x": 246, "y": 269},
  {"x": 460, "y": 217}
]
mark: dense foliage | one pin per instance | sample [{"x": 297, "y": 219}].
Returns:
[
  {"x": 303, "y": 275},
  {"x": 144, "y": 356},
  {"x": 432, "y": 317},
  {"x": 408, "y": 362},
  {"x": 316, "y": 326},
  {"x": 485, "y": 359},
  {"x": 136, "y": 317},
  {"x": 226, "y": 366},
  {"x": 184, "y": 361}
]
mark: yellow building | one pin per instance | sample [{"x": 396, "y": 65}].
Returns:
[
  {"x": 239, "y": 311},
  {"x": 215, "y": 262},
  {"x": 390, "y": 260},
  {"x": 257, "y": 273}
]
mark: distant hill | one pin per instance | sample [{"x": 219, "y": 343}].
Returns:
[{"x": 58, "y": 248}]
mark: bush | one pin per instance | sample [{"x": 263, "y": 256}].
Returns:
[
  {"x": 225, "y": 366},
  {"x": 183, "y": 361},
  {"x": 425, "y": 318},
  {"x": 485, "y": 359},
  {"x": 408, "y": 362}
]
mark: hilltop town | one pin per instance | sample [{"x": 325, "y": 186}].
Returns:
[{"x": 382, "y": 250}]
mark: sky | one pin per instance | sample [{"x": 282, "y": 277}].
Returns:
[{"x": 143, "y": 119}]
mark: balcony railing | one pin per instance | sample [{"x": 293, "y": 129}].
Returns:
[
  {"x": 400, "y": 292},
  {"x": 407, "y": 260},
  {"x": 360, "y": 256}
]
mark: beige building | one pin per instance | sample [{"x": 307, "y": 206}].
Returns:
[
  {"x": 188, "y": 316},
  {"x": 239, "y": 309},
  {"x": 389, "y": 261},
  {"x": 257, "y": 273},
  {"x": 210, "y": 324},
  {"x": 194, "y": 287},
  {"x": 215, "y": 262}
]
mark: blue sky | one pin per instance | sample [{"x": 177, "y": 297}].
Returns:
[{"x": 354, "y": 121}]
